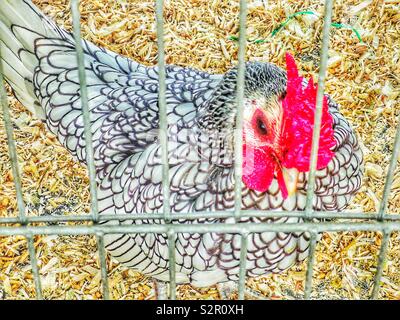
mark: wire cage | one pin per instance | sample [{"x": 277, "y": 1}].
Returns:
[{"x": 28, "y": 227}]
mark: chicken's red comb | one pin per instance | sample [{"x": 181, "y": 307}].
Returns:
[
  {"x": 291, "y": 67},
  {"x": 297, "y": 130}
]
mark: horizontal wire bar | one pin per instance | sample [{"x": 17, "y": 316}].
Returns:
[
  {"x": 345, "y": 215},
  {"x": 203, "y": 228}
]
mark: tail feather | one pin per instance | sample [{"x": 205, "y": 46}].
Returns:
[{"x": 21, "y": 24}]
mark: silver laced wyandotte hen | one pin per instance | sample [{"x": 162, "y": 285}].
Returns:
[{"x": 39, "y": 63}]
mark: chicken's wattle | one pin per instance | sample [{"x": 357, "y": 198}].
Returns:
[{"x": 293, "y": 150}]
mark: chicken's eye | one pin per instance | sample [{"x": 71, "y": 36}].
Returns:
[
  {"x": 261, "y": 126},
  {"x": 283, "y": 96}
]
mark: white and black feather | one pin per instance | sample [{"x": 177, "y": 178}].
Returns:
[{"x": 39, "y": 62}]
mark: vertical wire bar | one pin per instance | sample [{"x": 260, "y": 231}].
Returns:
[
  {"x": 242, "y": 265},
  {"x": 315, "y": 141},
  {"x": 162, "y": 105},
  {"x": 172, "y": 265},
  {"x": 17, "y": 182},
  {"x": 390, "y": 173},
  {"x": 35, "y": 268},
  {"x": 12, "y": 150},
  {"x": 163, "y": 136},
  {"x": 76, "y": 18},
  {"x": 382, "y": 212},
  {"x": 103, "y": 266},
  {"x": 310, "y": 265},
  {"x": 318, "y": 108},
  {"x": 239, "y": 116},
  {"x": 381, "y": 259}
]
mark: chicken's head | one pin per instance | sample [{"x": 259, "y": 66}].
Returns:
[{"x": 277, "y": 134}]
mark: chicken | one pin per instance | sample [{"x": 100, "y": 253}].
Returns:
[{"x": 39, "y": 63}]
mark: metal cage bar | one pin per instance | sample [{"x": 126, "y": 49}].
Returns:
[
  {"x": 242, "y": 264},
  {"x": 239, "y": 113},
  {"x": 382, "y": 212},
  {"x": 310, "y": 265},
  {"x": 315, "y": 142},
  {"x": 380, "y": 221},
  {"x": 171, "y": 261},
  {"x": 22, "y": 219},
  {"x": 162, "y": 105},
  {"x": 203, "y": 228},
  {"x": 103, "y": 265},
  {"x": 343, "y": 215},
  {"x": 240, "y": 87},
  {"x": 35, "y": 268},
  {"x": 76, "y": 18},
  {"x": 163, "y": 136},
  {"x": 382, "y": 215},
  {"x": 318, "y": 107},
  {"x": 380, "y": 263},
  {"x": 390, "y": 174},
  {"x": 12, "y": 150}
]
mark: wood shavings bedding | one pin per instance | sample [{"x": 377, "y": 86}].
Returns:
[{"x": 364, "y": 78}]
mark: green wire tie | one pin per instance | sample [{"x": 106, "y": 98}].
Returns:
[
  {"x": 289, "y": 18},
  {"x": 346, "y": 26}
]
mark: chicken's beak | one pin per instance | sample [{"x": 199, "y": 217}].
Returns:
[{"x": 291, "y": 177}]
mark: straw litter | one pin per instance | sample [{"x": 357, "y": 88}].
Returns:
[{"x": 363, "y": 77}]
